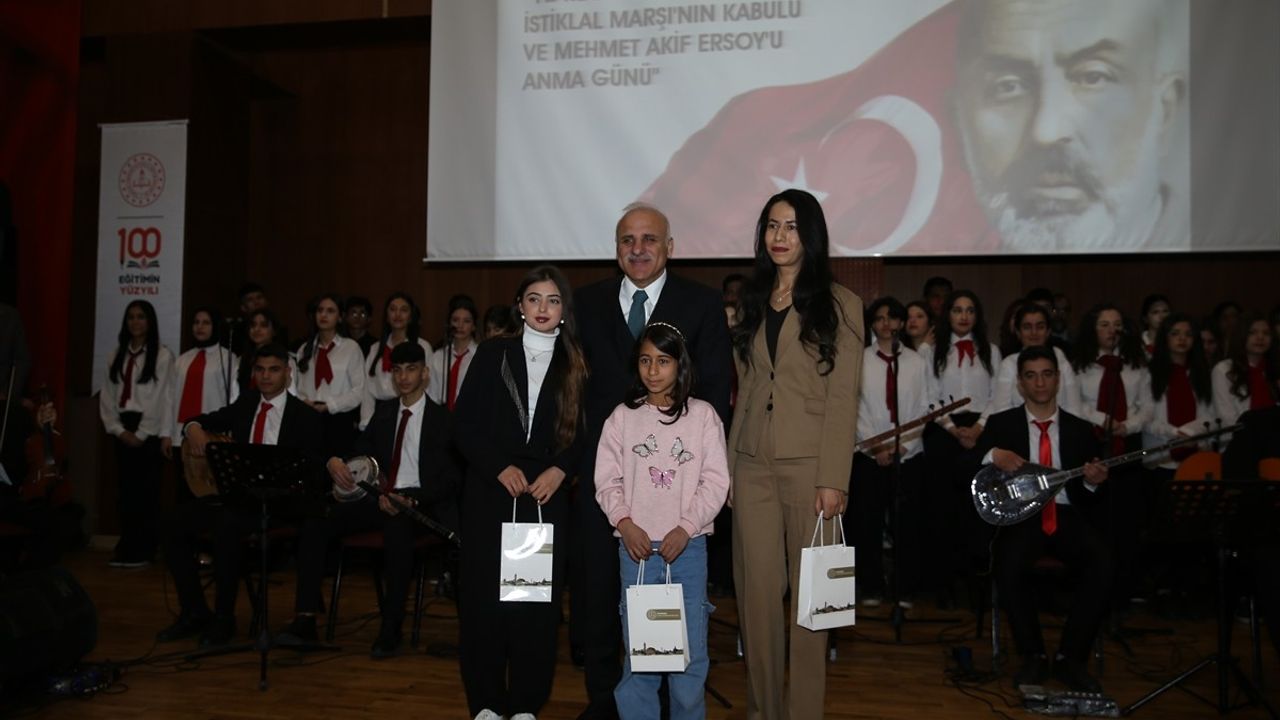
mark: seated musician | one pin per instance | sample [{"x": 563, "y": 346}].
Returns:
[
  {"x": 1040, "y": 432},
  {"x": 268, "y": 415},
  {"x": 409, "y": 437}
]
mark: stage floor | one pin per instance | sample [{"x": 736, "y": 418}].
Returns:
[{"x": 871, "y": 676}]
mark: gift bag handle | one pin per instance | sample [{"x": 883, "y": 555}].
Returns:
[
  {"x": 817, "y": 539},
  {"x": 640, "y": 573},
  {"x": 513, "y": 510}
]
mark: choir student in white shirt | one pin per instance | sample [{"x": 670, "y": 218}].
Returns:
[
  {"x": 330, "y": 375},
  {"x": 450, "y": 362},
  {"x": 1033, "y": 323},
  {"x": 263, "y": 329},
  {"x": 1179, "y": 392},
  {"x": 917, "y": 332},
  {"x": 894, "y": 387},
  {"x": 1244, "y": 381},
  {"x": 1111, "y": 371},
  {"x": 136, "y": 408},
  {"x": 401, "y": 320},
  {"x": 203, "y": 380},
  {"x": 961, "y": 364}
]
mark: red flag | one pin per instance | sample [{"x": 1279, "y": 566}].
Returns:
[{"x": 875, "y": 145}]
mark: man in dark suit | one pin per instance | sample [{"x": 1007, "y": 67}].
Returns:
[
  {"x": 267, "y": 416},
  {"x": 1040, "y": 431},
  {"x": 410, "y": 439},
  {"x": 610, "y": 315}
]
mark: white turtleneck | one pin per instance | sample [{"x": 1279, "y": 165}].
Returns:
[{"x": 538, "y": 349}]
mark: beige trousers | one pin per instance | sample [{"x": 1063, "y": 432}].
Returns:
[{"x": 773, "y": 519}]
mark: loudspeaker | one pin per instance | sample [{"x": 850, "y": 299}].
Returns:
[{"x": 47, "y": 623}]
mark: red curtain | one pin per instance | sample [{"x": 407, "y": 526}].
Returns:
[{"x": 39, "y": 74}]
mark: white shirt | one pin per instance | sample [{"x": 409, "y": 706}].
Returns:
[
  {"x": 627, "y": 292},
  {"x": 441, "y": 361},
  {"x": 1134, "y": 380},
  {"x": 379, "y": 385},
  {"x": 1226, "y": 405},
  {"x": 152, "y": 398},
  {"x": 971, "y": 381},
  {"x": 873, "y": 405},
  {"x": 1007, "y": 394},
  {"x": 539, "y": 347},
  {"x": 407, "y": 472},
  {"x": 347, "y": 388},
  {"x": 214, "y": 393},
  {"x": 1158, "y": 431}
]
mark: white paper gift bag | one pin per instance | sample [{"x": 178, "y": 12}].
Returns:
[
  {"x": 656, "y": 630},
  {"x": 525, "y": 569},
  {"x": 825, "y": 597}
]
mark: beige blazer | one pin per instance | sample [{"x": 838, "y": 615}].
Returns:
[{"x": 814, "y": 416}]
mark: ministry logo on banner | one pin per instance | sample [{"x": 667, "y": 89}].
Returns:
[{"x": 141, "y": 214}]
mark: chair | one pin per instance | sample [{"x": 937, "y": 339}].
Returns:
[
  {"x": 1046, "y": 568},
  {"x": 1269, "y": 469},
  {"x": 372, "y": 541}
]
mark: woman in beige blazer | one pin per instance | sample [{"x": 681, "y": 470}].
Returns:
[{"x": 798, "y": 349}]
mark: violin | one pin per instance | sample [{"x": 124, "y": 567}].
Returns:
[{"x": 46, "y": 461}]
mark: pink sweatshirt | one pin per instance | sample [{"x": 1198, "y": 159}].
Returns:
[{"x": 661, "y": 475}]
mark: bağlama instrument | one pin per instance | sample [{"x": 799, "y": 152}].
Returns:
[{"x": 1004, "y": 498}]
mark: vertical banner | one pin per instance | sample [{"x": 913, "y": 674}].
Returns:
[{"x": 141, "y": 206}]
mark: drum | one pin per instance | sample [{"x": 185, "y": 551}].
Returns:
[{"x": 363, "y": 469}]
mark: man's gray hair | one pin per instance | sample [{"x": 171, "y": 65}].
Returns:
[{"x": 638, "y": 205}]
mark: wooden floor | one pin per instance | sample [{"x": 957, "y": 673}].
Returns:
[{"x": 871, "y": 677}]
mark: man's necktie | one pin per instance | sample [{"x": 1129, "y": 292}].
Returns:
[
  {"x": 395, "y": 454},
  {"x": 635, "y": 318},
  {"x": 1048, "y": 516},
  {"x": 260, "y": 424}
]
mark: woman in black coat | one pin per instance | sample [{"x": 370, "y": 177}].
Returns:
[{"x": 519, "y": 426}]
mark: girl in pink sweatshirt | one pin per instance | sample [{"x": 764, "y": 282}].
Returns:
[{"x": 661, "y": 476}]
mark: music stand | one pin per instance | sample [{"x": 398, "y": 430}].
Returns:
[
  {"x": 260, "y": 474},
  {"x": 1226, "y": 512}
]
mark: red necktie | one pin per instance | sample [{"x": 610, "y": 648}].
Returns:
[
  {"x": 1048, "y": 516},
  {"x": 1180, "y": 401},
  {"x": 260, "y": 424},
  {"x": 324, "y": 370},
  {"x": 386, "y": 358},
  {"x": 193, "y": 389},
  {"x": 395, "y": 454},
  {"x": 1111, "y": 396},
  {"x": 127, "y": 391},
  {"x": 964, "y": 348},
  {"x": 453, "y": 378},
  {"x": 1259, "y": 390},
  {"x": 890, "y": 387}
]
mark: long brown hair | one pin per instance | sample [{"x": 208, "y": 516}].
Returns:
[{"x": 572, "y": 374}]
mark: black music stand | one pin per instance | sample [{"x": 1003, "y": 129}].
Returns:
[
  {"x": 250, "y": 474},
  {"x": 1229, "y": 513}
]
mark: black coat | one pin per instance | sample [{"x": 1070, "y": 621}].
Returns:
[
  {"x": 437, "y": 472},
  {"x": 489, "y": 429},
  {"x": 695, "y": 309},
  {"x": 1008, "y": 431},
  {"x": 300, "y": 428}
]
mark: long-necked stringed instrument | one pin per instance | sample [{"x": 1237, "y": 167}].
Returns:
[
  {"x": 1003, "y": 498},
  {"x": 925, "y": 419},
  {"x": 45, "y": 461},
  {"x": 411, "y": 511}
]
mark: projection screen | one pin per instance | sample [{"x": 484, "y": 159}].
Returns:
[{"x": 973, "y": 127}]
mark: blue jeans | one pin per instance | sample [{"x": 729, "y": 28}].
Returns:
[{"x": 637, "y": 694}]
